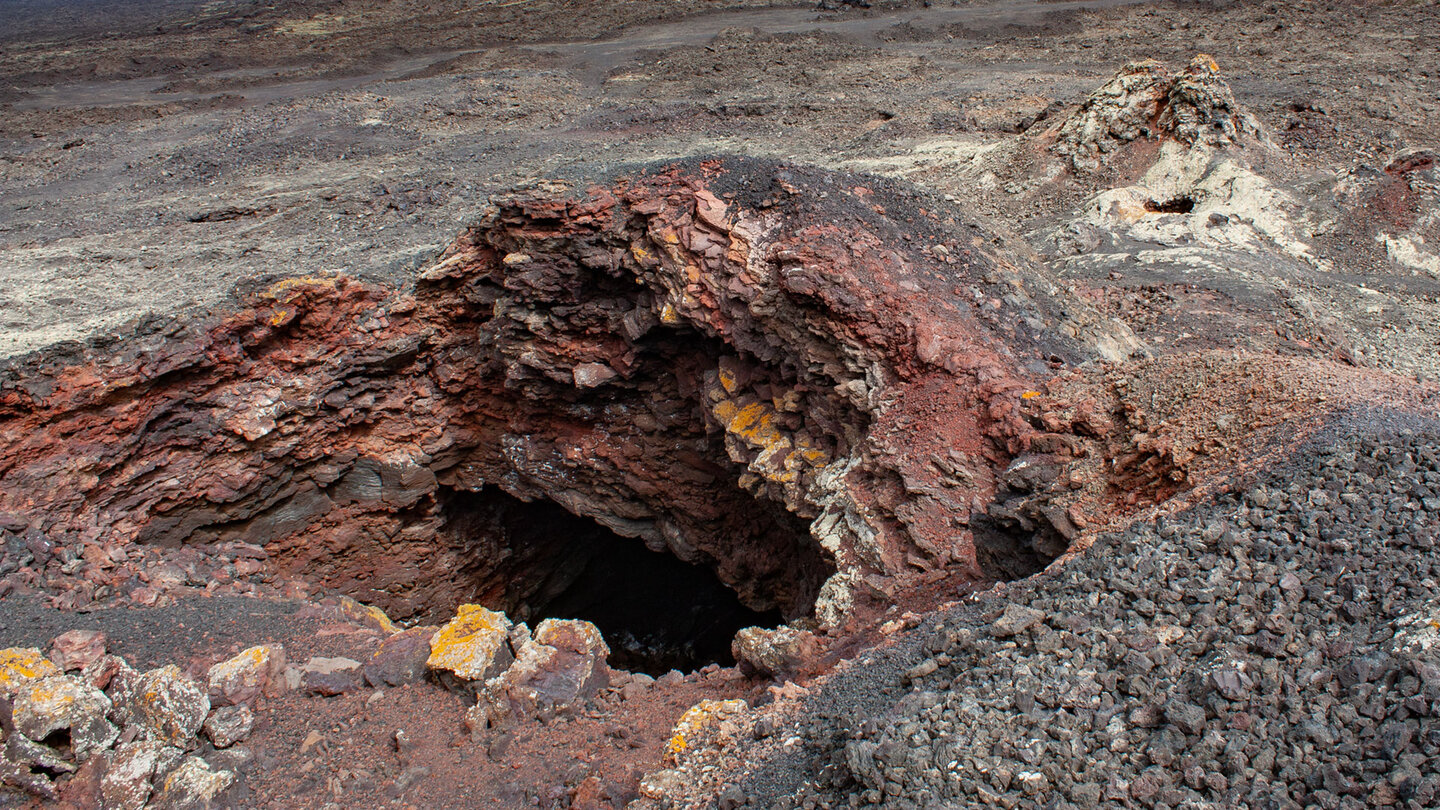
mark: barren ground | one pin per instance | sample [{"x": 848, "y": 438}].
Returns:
[{"x": 157, "y": 157}]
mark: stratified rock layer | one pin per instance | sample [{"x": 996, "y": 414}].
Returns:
[{"x": 705, "y": 357}]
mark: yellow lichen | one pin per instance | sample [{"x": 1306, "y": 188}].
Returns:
[
  {"x": 280, "y": 288},
  {"x": 728, "y": 380},
  {"x": 467, "y": 643},
  {"x": 368, "y": 614},
  {"x": 21, "y": 665},
  {"x": 696, "y": 719}
]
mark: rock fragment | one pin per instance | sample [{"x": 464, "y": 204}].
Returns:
[
  {"x": 169, "y": 705},
  {"x": 1016, "y": 619},
  {"x": 228, "y": 725},
  {"x": 330, "y": 676},
  {"x": 126, "y": 785},
  {"x": 253, "y": 672},
  {"x": 781, "y": 652},
  {"x": 400, "y": 659},
  {"x": 560, "y": 667},
  {"x": 194, "y": 785},
  {"x": 21, "y": 665},
  {"x": 473, "y": 646},
  {"x": 77, "y": 649},
  {"x": 69, "y": 704}
]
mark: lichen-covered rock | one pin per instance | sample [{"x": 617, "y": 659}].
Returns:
[
  {"x": 245, "y": 677},
  {"x": 194, "y": 785},
  {"x": 20, "y": 666},
  {"x": 1146, "y": 100},
  {"x": 561, "y": 666},
  {"x": 228, "y": 725},
  {"x": 168, "y": 705},
  {"x": 28, "y": 765},
  {"x": 366, "y": 615},
  {"x": 776, "y": 652},
  {"x": 65, "y": 703},
  {"x": 400, "y": 659},
  {"x": 77, "y": 649},
  {"x": 127, "y": 783},
  {"x": 1122, "y": 110},
  {"x": 699, "y": 724},
  {"x": 1200, "y": 109},
  {"x": 473, "y": 646}
]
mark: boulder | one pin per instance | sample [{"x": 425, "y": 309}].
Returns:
[
  {"x": 228, "y": 725},
  {"x": 168, "y": 705},
  {"x": 560, "y": 667},
  {"x": 77, "y": 649},
  {"x": 781, "y": 652},
  {"x": 254, "y": 672},
  {"x": 27, "y": 764},
  {"x": 473, "y": 646},
  {"x": 21, "y": 665},
  {"x": 194, "y": 785},
  {"x": 65, "y": 703},
  {"x": 400, "y": 658},
  {"x": 127, "y": 784}
]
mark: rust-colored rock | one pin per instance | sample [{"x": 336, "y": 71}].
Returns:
[{"x": 804, "y": 381}]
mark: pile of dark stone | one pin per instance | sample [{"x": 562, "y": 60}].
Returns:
[{"x": 1276, "y": 647}]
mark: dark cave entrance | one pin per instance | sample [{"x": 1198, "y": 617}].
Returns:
[{"x": 656, "y": 611}]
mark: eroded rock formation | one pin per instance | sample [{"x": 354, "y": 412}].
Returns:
[{"x": 804, "y": 381}]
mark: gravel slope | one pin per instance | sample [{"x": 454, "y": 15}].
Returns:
[{"x": 1275, "y": 647}]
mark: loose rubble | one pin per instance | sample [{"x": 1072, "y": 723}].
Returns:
[{"x": 1273, "y": 648}]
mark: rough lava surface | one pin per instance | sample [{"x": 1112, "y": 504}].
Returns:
[{"x": 1069, "y": 444}]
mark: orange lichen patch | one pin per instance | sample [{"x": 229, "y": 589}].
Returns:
[
  {"x": 47, "y": 696},
  {"x": 752, "y": 422},
  {"x": 467, "y": 644},
  {"x": 284, "y": 287},
  {"x": 21, "y": 665},
  {"x": 245, "y": 676},
  {"x": 695, "y": 721},
  {"x": 368, "y": 615}
]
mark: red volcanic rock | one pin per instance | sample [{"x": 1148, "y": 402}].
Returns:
[
  {"x": 706, "y": 357},
  {"x": 77, "y": 649}
]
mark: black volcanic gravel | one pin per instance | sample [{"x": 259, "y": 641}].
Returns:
[{"x": 1277, "y": 647}]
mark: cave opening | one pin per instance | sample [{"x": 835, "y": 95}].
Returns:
[{"x": 656, "y": 611}]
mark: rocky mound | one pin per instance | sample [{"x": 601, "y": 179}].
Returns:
[{"x": 1145, "y": 100}]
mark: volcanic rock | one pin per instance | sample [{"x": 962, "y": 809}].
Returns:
[
  {"x": 194, "y": 785},
  {"x": 228, "y": 725},
  {"x": 127, "y": 783},
  {"x": 774, "y": 333},
  {"x": 562, "y": 666},
  {"x": 473, "y": 646},
  {"x": 782, "y": 652},
  {"x": 401, "y": 658},
  {"x": 168, "y": 705},
  {"x": 65, "y": 703},
  {"x": 249, "y": 674},
  {"x": 76, "y": 649},
  {"x": 330, "y": 676},
  {"x": 1146, "y": 100},
  {"x": 20, "y": 666}
]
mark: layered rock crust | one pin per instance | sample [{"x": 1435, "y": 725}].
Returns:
[{"x": 805, "y": 381}]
